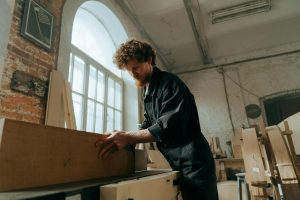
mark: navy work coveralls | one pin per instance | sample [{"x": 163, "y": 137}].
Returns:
[{"x": 171, "y": 117}]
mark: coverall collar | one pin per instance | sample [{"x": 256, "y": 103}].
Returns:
[{"x": 156, "y": 75}]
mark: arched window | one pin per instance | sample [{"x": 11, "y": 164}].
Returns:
[{"x": 97, "y": 87}]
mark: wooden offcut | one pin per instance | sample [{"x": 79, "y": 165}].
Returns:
[
  {"x": 255, "y": 170},
  {"x": 34, "y": 155},
  {"x": 157, "y": 187},
  {"x": 294, "y": 125},
  {"x": 60, "y": 111},
  {"x": 236, "y": 146},
  {"x": 55, "y": 109},
  {"x": 68, "y": 106},
  {"x": 284, "y": 163},
  {"x": 282, "y": 156}
]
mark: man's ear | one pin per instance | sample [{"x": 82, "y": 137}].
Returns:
[{"x": 149, "y": 61}]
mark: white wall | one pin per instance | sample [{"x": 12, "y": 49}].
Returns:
[
  {"x": 262, "y": 77},
  {"x": 6, "y": 9}
]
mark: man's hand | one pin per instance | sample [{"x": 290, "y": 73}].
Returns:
[
  {"x": 119, "y": 139},
  {"x": 115, "y": 141}
]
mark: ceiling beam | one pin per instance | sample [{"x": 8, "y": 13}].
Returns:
[
  {"x": 144, "y": 33},
  {"x": 199, "y": 41}
]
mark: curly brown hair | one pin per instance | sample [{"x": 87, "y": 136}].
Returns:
[{"x": 140, "y": 50}]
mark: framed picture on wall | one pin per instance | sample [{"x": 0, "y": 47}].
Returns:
[{"x": 37, "y": 24}]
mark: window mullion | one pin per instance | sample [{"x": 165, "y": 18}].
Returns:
[
  {"x": 105, "y": 106},
  {"x": 71, "y": 69},
  {"x": 85, "y": 93},
  {"x": 114, "y": 105},
  {"x": 95, "y": 102},
  {"x": 122, "y": 104}
]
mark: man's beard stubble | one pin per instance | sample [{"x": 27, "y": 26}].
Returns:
[{"x": 144, "y": 82}]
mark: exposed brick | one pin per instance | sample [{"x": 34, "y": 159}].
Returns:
[
  {"x": 45, "y": 64},
  {"x": 19, "y": 52},
  {"x": 33, "y": 119},
  {"x": 19, "y": 99},
  {"x": 20, "y": 43},
  {"x": 23, "y": 55},
  {"x": 11, "y": 115}
]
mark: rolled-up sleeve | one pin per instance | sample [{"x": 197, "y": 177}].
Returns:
[
  {"x": 146, "y": 123},
  {"x": 174, "y": 113}
]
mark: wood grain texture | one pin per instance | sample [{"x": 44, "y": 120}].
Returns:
[
  {"x": 157, "y": 187},
  {"x": 68, "y": 106},
  {"x": 34, "y": 155},
  {"x": 290, "y": 184},
  {"x": 294, "y": 125},
  {"x": 282, "y": 156},
  {"x": 255, "y": 170},
  {"x": 55, "y": 109}
]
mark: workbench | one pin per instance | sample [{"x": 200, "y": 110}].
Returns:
[{"x": 85, "y": 190}]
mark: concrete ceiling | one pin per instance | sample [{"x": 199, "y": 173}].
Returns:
[{"x": 185, "y": 38}]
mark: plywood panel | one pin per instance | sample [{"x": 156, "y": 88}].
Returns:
[
  {"x": 284, "y": 164},
  {"x": 34, "y": 155},
  {"x": 255, "y": 171},
  {"x": 282, "y": 157},
  {"x": 294, "y": 124},
  {"x": 236, "y": 146},
  {"x": 228, "y": 190},
  {"x": 55, "y": 110},
  {"x": 158, "y": 187},
  {"x": 68, "y": 106},
  {"x": 158, "y": 161}
]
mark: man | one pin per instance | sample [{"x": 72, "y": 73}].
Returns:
[{"x": 171, "y": 120}]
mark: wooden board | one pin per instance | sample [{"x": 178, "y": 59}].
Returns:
[
  {"x": 69, "y": 190},
  {"x": 282, "y": 157},
  {"x": 68, "y": 106},
  {"x": 255, "y": 171},
  {"x": 232, "y": 163},
  {"x": 34, "y": 155},
  {"x": 284, "y": 164},
  {"x": 55, "y": 110},
  {"x": 236, "y": 146},
  {"x": 157, "y": 160},
  {"x": 294, "y": 124},
  {"x": 228, "y": 190},
  {"x": 158, "y": 187}
]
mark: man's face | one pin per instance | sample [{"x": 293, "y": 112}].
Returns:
[{"x": 140, "y": 71}]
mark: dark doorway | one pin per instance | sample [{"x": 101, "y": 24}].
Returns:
[{"x": 279, "y": 108}]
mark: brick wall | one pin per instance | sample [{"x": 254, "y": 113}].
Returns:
[{"x": 34, "y": 61}]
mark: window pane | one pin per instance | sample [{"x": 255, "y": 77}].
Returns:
[
  {"x": 110, "y": 120},
  {"x": 70, "y": 68},
  {"x": 92, "y": 37},
  {"x": 111, "y": 92},
  {"x": 118, "y": 96},
  {"x": 99, "y": 118},
  {"x": 118, "y": 120},
  {"x": 92, "y": 82},
  {"x": 77, "y": 103},
  {"x": 100, "y": 87},
  {"x": 90, "y": 116},
  {"x": 78, "y": 75}
]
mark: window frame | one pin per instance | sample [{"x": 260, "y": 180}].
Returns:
[{"x": 75, "y": 51}]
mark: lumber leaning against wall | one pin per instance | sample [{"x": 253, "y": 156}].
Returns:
[{"x": 33, "y": 155}]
